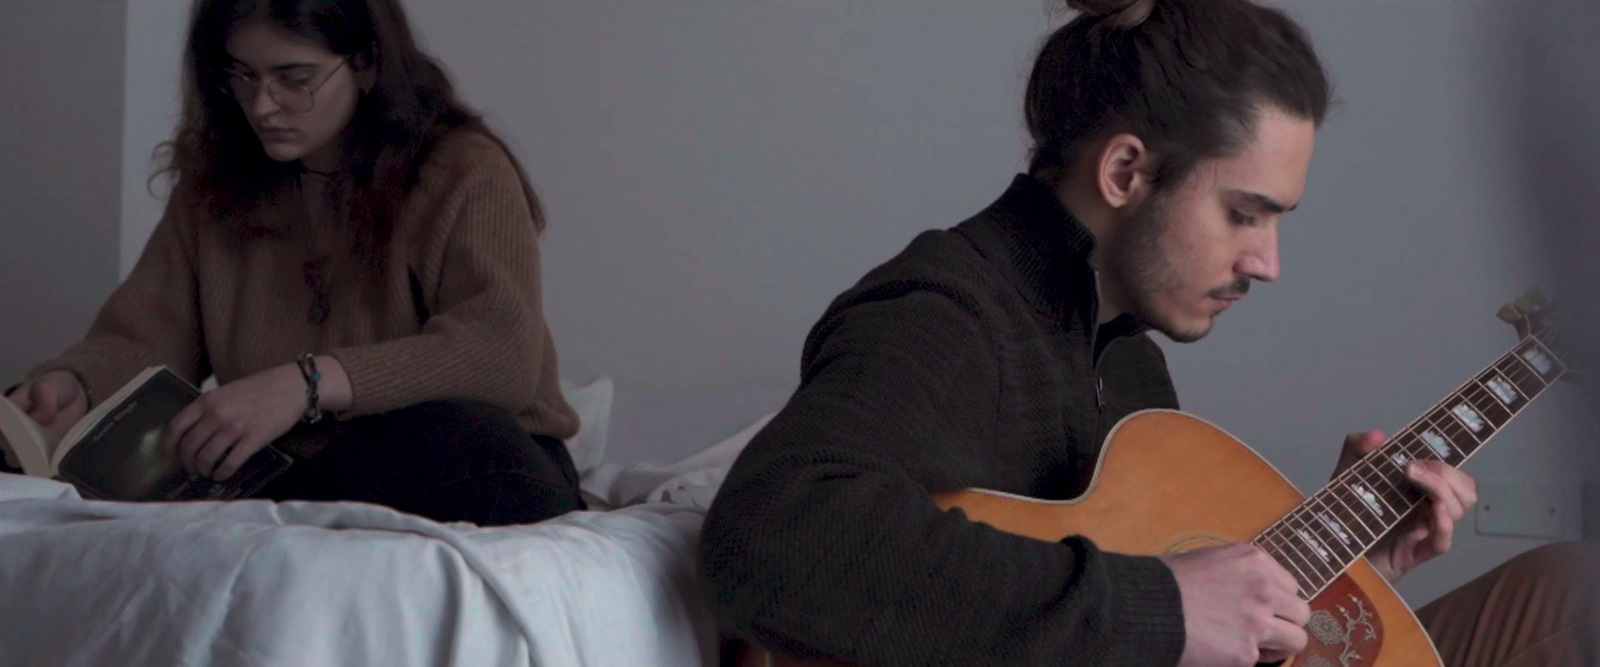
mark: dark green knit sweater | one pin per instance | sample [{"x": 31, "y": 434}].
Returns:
[{"x": 972, "y": 359}]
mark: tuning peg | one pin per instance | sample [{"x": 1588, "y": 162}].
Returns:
[{"x": 1509, "y": 314}]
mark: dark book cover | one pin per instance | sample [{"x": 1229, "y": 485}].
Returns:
[{"x": 120, "y": 458}]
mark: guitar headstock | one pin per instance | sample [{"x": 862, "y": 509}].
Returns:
[
  {"x": 1535, "y": 316},
  {"x": 1531, "y": 314}
]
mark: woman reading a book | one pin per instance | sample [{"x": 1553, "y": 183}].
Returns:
[{"x": 344, "y": 239}]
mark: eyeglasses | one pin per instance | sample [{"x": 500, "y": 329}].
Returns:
[{"x": 296, "y": 97}]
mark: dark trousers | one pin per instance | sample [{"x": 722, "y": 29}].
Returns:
[{"x": 446, "y": 460}]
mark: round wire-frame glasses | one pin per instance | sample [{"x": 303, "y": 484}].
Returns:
[{"x": 293, "y": 96}]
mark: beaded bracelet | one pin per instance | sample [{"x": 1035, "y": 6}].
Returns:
[
  {"x": 308, "y": 369},
  {"x": 88, "y": 392}
]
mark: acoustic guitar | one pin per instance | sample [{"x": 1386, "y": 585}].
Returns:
[{"x": 1169, "y": 482}]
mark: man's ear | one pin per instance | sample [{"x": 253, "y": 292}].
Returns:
[{"x": 1122, "y": 171}]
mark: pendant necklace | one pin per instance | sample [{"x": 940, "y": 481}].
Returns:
[{"x": 314, "y": 269}]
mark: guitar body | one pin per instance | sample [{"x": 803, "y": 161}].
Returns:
[{"x": 1169, "y": 482}]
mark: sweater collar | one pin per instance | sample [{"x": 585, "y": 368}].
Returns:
[{"x": 1044, "y": 251}]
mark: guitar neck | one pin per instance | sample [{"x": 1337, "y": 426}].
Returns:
[{"x": 1327, "y": 533}]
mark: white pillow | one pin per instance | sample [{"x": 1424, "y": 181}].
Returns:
[
  {"x": 692, "y": 482},
  {"x": 593, "y": 405}
]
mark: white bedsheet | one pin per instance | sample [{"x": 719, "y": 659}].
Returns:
[{"x": 257, "y": 583}]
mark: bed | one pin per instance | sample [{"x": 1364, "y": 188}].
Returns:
[{"x": 258, "y": 583}]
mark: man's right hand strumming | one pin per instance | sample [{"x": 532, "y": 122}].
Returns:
[{"x": 1240, "y": 607}]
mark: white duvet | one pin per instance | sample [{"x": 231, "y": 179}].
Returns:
[{"x": 256, "y": 583}]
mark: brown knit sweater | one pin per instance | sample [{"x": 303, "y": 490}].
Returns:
[{"x": 464, "y": 256}]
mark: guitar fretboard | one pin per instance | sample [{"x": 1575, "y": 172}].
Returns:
[{"x": 1327, "y": 533}]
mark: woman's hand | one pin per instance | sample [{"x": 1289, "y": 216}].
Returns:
[
  {"x": 55, "y": 400},
  {"x": 222, "y": 429}
]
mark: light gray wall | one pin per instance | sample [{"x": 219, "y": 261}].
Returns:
[
  {"x": 1554, "y": 91},
  {"x": 61, "y": 69},
  {"x": 716, "y": 171},
  {"x": 156, "y": 33}
]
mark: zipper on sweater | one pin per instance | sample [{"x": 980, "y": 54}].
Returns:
[{"x": 1094, "y": 333}]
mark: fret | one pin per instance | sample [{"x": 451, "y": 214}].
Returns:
[
  {"x": 1522, "y": 375},
  {"x": 1339, "y": 551},
  {"x": 1354, "y": 521},
  {"x": 1303, "y": 558},
  {"x": 1503, "y": 390},
  {"x": 1468, "y": 406},
  {"x": 1413, "y": 447},
  {"x": 1400, "y": 454},
  {"x": 1283, "y": 553},
  {"x": 1348, "y": 514},
  {"x": 1427, "y": 443},
  {"x": 1484, "y": 403},
  {"x": 1329, "y": 517},
  {"x": 1397, "y": 493},
  {"x": 1320, "y": 568},
  {"x": 1395, "y": 474},
  {"x": 1372, "y": 509},
  {"x": 1561, "y": 368},
  {"x": 1391, "y": 460},
  {"x": 1289, "y": 550},
  {"x": 1458, "y": 434},
  {"x": 1389, "y": 489},
  {"x": 1462, "y": 436},
  {"x": 1327, "y": 560},
  {"x": 1434, "y": 431},
  {"x": 1369, "y": 499},
  {"x": 1541, "y": 360},
  {"x": 1411, "y": 443}
]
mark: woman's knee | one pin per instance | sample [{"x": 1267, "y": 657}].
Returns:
[
  {"x": 449, "y": 439},
  {"x": 448, "y": 425},
  {"x": 456, "y": 414}
]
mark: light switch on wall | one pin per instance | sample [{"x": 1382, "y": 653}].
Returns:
[{"x": 1521, "y": 510}]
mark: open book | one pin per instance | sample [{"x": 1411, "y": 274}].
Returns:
[{"x": 114, "y": 452}]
